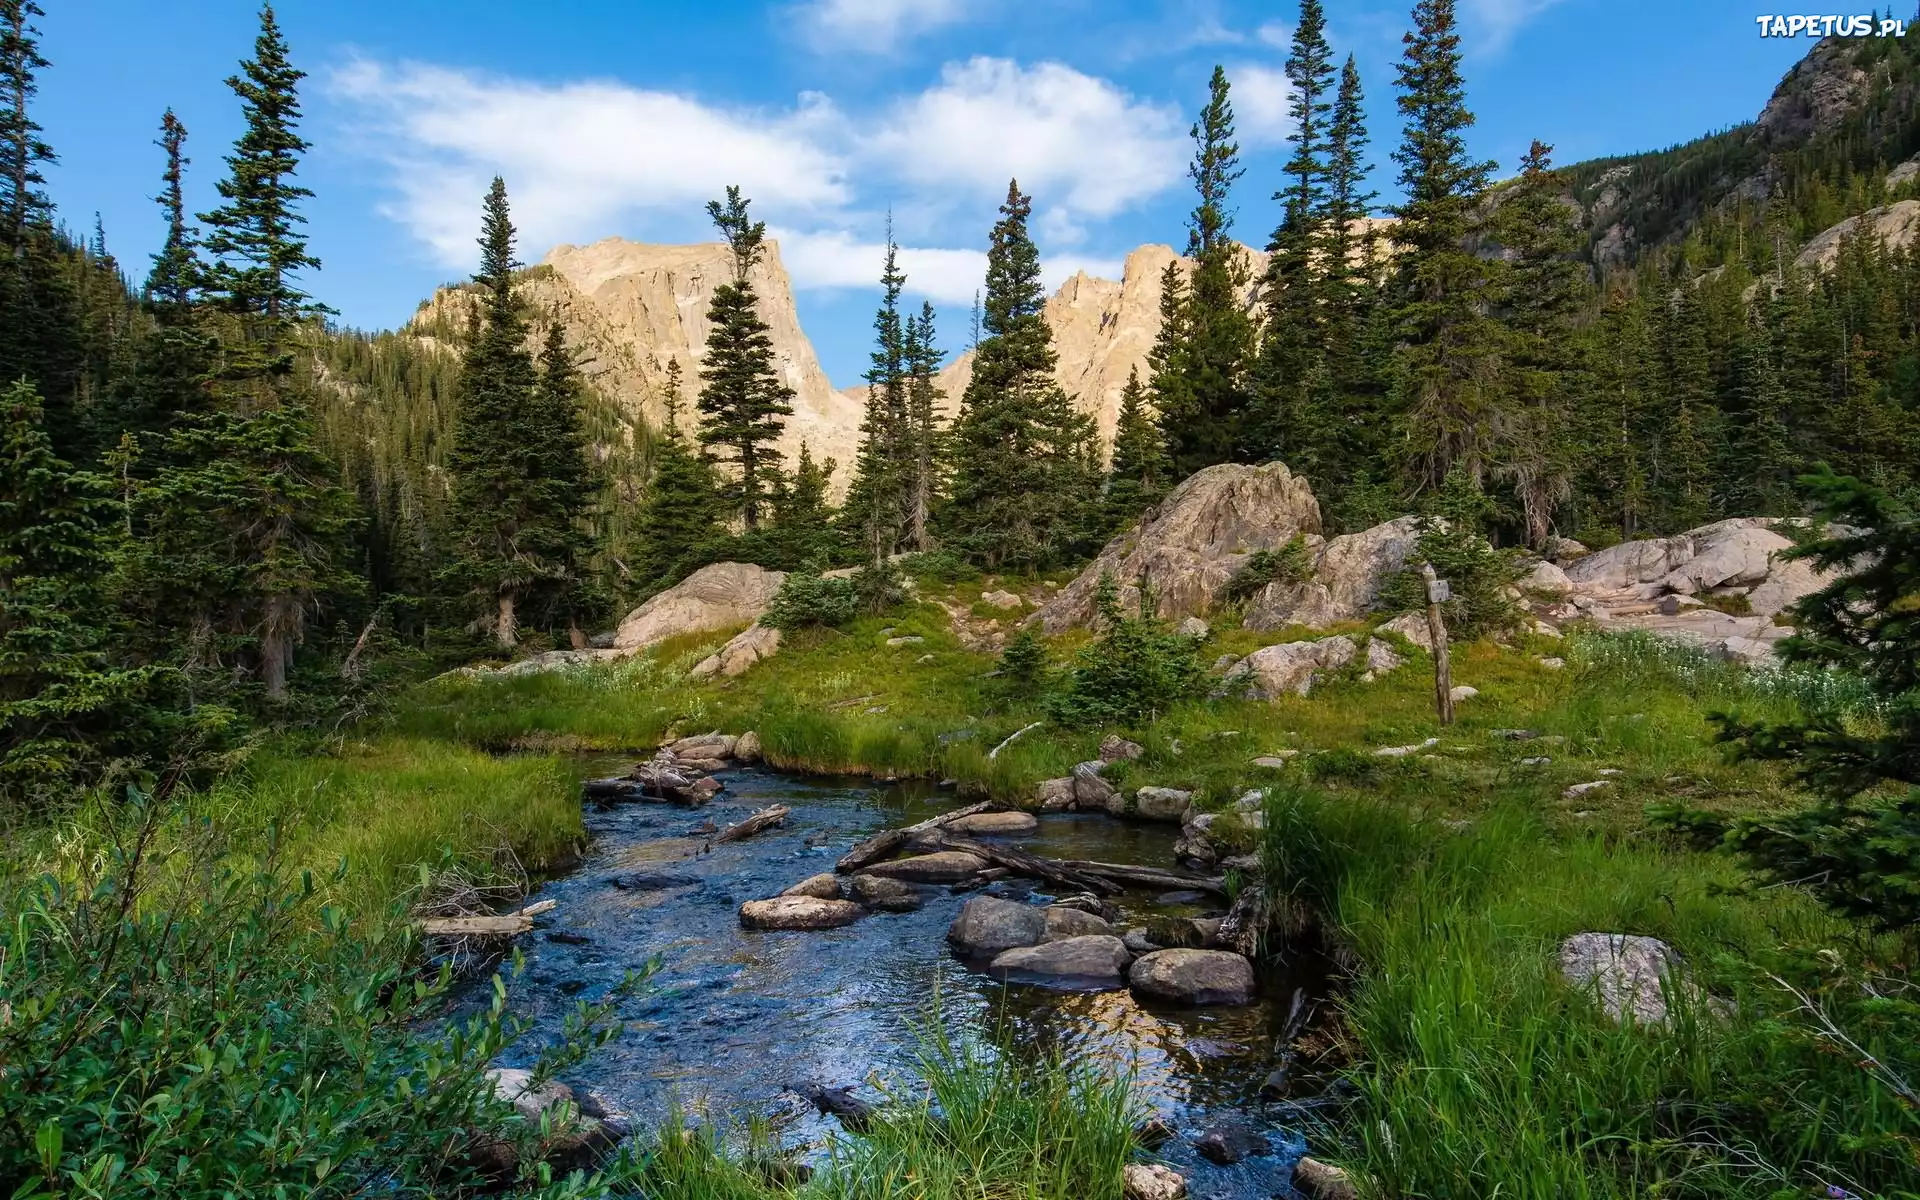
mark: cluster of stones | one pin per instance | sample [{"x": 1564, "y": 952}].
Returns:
[{"x": 682, "y": 771}]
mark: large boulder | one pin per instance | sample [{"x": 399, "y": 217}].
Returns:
[
  {"x": 1192, "y": 544},
  {"x": 742, "y": 650},
  {"x": 993, "y": 823},
  {"x": 1738, "y": 553},
  {"x": 988, "y": 925},
  {"x": 1413, "y": 627},
  {"x": 1151, "y": 1181},
  {"x": 1063, "y": 923},
  {"x": 1291, "y": 668},
  {"x": 1094, "y": 961},
  {"x": 1347, "y": 578},
  {"x": 720, "y": 596},
  {"x": 1193, "y": 977},
  {"x": 1157, "y": 804},
  {"x": 943, "y": 866},
  {"x": 886, "y": 895}
]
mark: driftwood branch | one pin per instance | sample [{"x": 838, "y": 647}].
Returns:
[
  {"x": 496, "y": 925},
  {"x": 890, "y": 842},
  {"x": 350, "y": 669},
  {"x": 1011, "y": 738},
  {"x": 1021, "y": 863},
  {"x": 1149, "y": 877},
  {"x": 766, "y": 818}
]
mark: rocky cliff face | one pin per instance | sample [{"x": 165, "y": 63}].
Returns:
[{"x": 630, "y": 309}]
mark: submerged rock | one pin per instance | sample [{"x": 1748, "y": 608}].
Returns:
[
  {"x": 653, "y": 881},
  {"x": 1194, "y": 977},
  {"x": 989, "y": 925},
  {"x": 798, "y": 912},
  {"x": 1231, "y": 1141},
  {"x": 1093, "y": 961}
]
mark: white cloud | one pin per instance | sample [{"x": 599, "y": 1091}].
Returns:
[
  {"x": 1260, "y": 99},
  {"x": 1497, "y": 21},
  {"x": 876, "y": 25},
  {"x": 1277, "y": 33},
  {"x": 836, "y": 260},
  {"x": 577, "y": 157},
  {"x": 1074, "y": 141}
]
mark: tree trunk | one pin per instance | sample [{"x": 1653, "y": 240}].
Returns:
[{"x": 505, "y": 630}]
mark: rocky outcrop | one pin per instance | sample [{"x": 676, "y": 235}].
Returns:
[
  {"x": 719, "y": 596},
  {"x": 1191, "y": 545},
  {"x": 1816, "y": 95},
  {"x": 1348, "y": 573},
  {"x": 742, "y": 650},
  {"x": 1896, "y": 225},
  {"x": 1291, "y": 668}
]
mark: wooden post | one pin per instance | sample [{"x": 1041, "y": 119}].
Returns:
[{"x": 1438, "y": 593}]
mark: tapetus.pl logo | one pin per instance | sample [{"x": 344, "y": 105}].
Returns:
[{"x": 1858, "y": 25}]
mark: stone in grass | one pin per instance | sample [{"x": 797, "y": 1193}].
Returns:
[
  {"x": 799, "y": 912},
  {"x": 1193, "y": 977},
  {"x": 989, "y": 925},
  {"x": 1113, "y": 748},
  {"x": 1403, "y": 751},
  {"x": 1152, "y": 1181},
  {"x": 1096, "y": 961},
  {"x": 1580, "y": 789},
  {"x": 1463, "y": 692},
  {"x": 1630, "y": 976}
]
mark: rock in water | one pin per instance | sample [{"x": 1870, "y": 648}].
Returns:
[
  {"x": 1097, "y": 961},
  {"x": 653, "y": 881},
  {"x": 1194, "y": 542},
  {"x": 1152, "y": 1181},
  {"x": 798, "y": 912},
  {"x": 824, "y": 886},
  {"x": 1193, "y": 977},
  {"x": 1161, "y": 804},
  {"x": 714, "y": 597},
  {"x": 1347, "y": 577},
  {"x": 747, "y": 748},
  {"x": 988, "y": 925},
  {"x": 744, "y": 649},
  {"x": 885, "y": 895},
  {"x": 1063, "y": 923},
  {"x": 946, "y": 866},
  {"x": 1322, "y": 1181},
  {"x": 1629, "y": 975},
  {"x": 1230, "y": 1142}
]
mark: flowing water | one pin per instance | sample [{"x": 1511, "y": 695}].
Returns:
[{"x": 734, "y": 1015}]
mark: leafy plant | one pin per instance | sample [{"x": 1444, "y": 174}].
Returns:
[
  {"x": 1133, "y": 672},
  {"x": 812, "y": 600},
  {"x": 879, "y": 588},
  {"x": 1292, "y": 564}
]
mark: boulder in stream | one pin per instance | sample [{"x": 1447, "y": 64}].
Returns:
[
  {"x": 886, "y": 895},
  {"x": 653, "y": 881},
  {"x": 989, "y": 925},
  {"x": 1194, "y": 977},
  {"x": 1096, "y": 961},
  {"x": 1152, "y": 1181},
  {"x": 799, "y": 912},
  {"x": 1231, "y": 1141},
  {"x": 824, "y": 886},
  {"x": 992, "y": 823},
  {"x": 945, "y": 866},
  {"x": 1063, "y": 922}
]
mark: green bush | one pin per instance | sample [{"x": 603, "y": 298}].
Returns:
[
  {"x": 876, "y": 589},
  {"x": 1292, "y": 563},
  {"x": 1478, "y": 575},
  {"x": 812, "y": 600},
  {"x": 173, "y": 1025},
  {"x": 940, "y": 566},
  {"x": 1023, "y": 664},
  {"x": 1133, "y": 672}
]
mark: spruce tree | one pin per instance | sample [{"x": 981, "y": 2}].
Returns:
[
  {"x": 802, "y": 534},
  {"x": 564, "y": 492},
  {"x": 66, "y": 709},
  {"x": 1543, "y": 285},
  {"x": 879, "y": 503},
  {"x": 494, "y": 460},
  {"x": 1683, "y": 468},
  {"x": 1206, "y": 418},
  {"x": 1137, "y": 476},
  {"x": 1445, "y": 371},
  {"x": 679, "y": 517},
  {"x": 254, "y": 236},
  {"x": 742, "y": 399},
  {"x": 1756, "y": 468},
  {"x": 1171, "y": 383},
  {"x": 929, "y": 440},
  {"x": 1023, "y": 493},
  {"x": 1349, "y": 202},
  {"x": 22, "y": 204}
]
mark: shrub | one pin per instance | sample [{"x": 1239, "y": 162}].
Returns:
[
  {"x": 1292, "y": 564},
  {"x": 879, "y": 588},
  {"x": 1133, "y": 672},
  {"x": 940, "y": 566},
  {"x": 1478, "y": 575},
  {"x": 809, "y": 600},
  {"x": 1023, "y": 664}
]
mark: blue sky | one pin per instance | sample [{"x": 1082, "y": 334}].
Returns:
[{"x": 611, "y": 118}]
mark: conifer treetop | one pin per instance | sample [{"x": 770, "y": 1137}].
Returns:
[{"x": 745, "y": 237}]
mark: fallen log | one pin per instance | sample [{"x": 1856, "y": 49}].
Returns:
[
  {"x": 617, "y": 788},
  {"x": 766, "y": 818},
  {"x": 1021, "y": 863},
  {"x": 490, "y": 926},
  {"x": 890, "y": 842},
  {"x": 1149, "y": 877}
]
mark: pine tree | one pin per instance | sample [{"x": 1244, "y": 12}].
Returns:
[
  {"x": 1023, "y": 493},
  {"x": 679, "y": 511},
  {"x": 742, "y": 399},
  {"x": 1349, "y": 202},
  {"x": 66, "y": 709},
  {"x": 1137, "y": 476},
  {"x": 929, "y": 440},
  {"x": 254, "y": 237},
  {"x": 802, "y": 533},
  {"x": 1756, "y": 467},
  {"x": 496, "y": 500},
  {"x": 564, "y": 492},
  {"x": 1171, "y": 383},
  {"x": 1205, "y": 419},
  {"x": 1683, "y": 468},
  {"x": 879, "y": 503},
  {"x": 1543, "y": 285},
  {"x": 22, "y": 204},
  {"x": 174, "y": 279},
  {"x": 1445, "y": 372},
  {"x": 1292, "y": 344}
]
